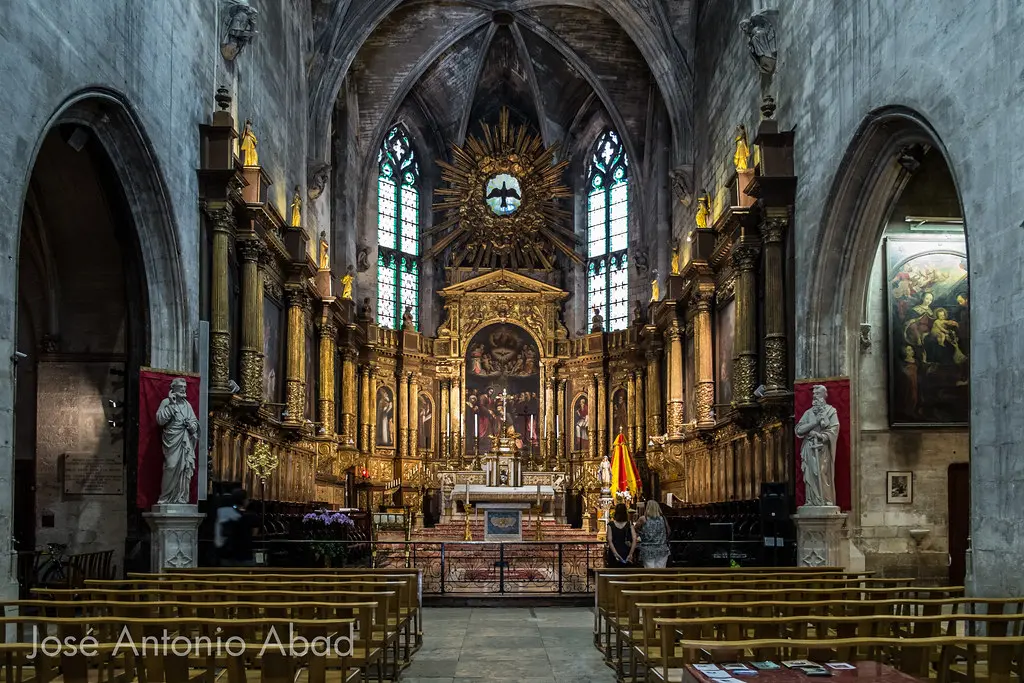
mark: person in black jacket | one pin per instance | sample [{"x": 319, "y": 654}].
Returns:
[
  {"x": 622, "y": 539},
  {"x": 234, "y": 531}
]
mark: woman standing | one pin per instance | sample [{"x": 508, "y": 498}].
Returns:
[
  {"x": 622, "y": 539},
  {"x": 653, "y": 530}
]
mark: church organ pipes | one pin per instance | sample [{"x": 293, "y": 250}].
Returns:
[
  {"x": 365, "y": 426},
  {"x": 675, "y": 380},
  {"x": 220, "y": 335},
  {"x": 654, "y": 426},
  {"x": 251, "y": 347},
  {"x": 773, "y": 231},
  {"x": 705, "y": 362},
  {"x": 296, "y": 371},
  {"x": 325, "y": 386},
  {"x": 744, "y": 379}
]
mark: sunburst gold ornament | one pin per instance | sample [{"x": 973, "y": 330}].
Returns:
[{"x": 500, "y": 202}]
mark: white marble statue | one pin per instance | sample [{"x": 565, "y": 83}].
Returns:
[
  {"x": 180, "y": 438},
  {"x": 819, "y": 429},
  {"x": 604, "y": 474}
]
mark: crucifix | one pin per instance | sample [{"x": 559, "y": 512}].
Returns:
[{"x": 504, "y": 406}]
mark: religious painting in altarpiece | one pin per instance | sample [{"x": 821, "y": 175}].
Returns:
[
  {"x": 502, "y": 358},
  {"x": 581, "y": 425},
  {"x": 619, "y": 413},
  {"x": 273, "y": 350},
  {"x": 425, "y": 428},
  {"x": 725, "y": 327},
  {"x": 929, "y": 330},
  {"x": 312, "y": 368},
  {"x": 385, "y": 427}
]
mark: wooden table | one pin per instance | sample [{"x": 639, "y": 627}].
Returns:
[{"x": 866, "y": 671}]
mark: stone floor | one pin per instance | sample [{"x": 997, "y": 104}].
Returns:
[{"x": 527, "y": 645}]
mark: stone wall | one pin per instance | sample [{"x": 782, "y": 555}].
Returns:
[{"x": 958, "y": 68}]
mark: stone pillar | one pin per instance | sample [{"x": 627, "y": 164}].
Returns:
[
  {"x": 601, "y": 410},
  {"x": 773, "y": 230},
  {"x": 365, "y": 430},
  {"x": 444, "y": 414},
  {"x": 325, "y": 387},
  {"x": 744, "y": 371},
  {"x": 251, "y": 347},
  {"x": 348, "y": 397},
  {"x": 705, "y": 361},
  {"x": 654, "y": 426},
  {"x": 175, "y": 539},
  {"x": 675, "y": 381},
  {"x": 402, "y": 415},
  {"x": 414, "y": 416},
  {"x": 592, "y": 417},
  {"x": 631, "y": 411},
  {"x": 819, "y": 536},
  {"x": 223, "y": 221},
  {"x": 295, "y": 382}
]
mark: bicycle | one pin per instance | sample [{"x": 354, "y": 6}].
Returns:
[{"x": 53, "y": 566}]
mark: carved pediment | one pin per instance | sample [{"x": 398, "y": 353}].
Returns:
[{"x": 504, "y": 282}]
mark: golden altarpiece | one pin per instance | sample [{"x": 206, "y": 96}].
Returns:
[{"x": 698, "y": 384}]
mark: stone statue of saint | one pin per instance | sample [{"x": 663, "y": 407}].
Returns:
[
  {"x": 346, "y": 283},
  {"x": 597, "y": 323},
  {"x": 247, "y": 147},
  {"x": 239, "y": 27},
  {"x": 604, "y": 473},
  {"x": 761, "y": 42},
  {"x": 180, "y": 438},
  {"x": 296, "y": 209},
  {"x": 407, "y": 322},
  {"x": 638, "y": 313},
  {"x": 366, "y": 310},
  {"x": 741, "y": 159},
  {"x": 819, "y": 429}
]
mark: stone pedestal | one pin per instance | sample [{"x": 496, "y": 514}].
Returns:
[
  {"x": 175, "y": 538},
  {"x": 819, "y": 536}
]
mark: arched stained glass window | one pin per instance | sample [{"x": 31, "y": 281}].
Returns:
[
  {"x": 608, "y": 232},
  {"x": 398, "y": 231}
]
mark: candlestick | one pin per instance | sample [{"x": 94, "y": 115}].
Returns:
[
  {"x": 476, "y": 426},
  {"x": 467, "y": 493},
  {"x": 557, "y": 428},
  {"x": 538, "y": 495}
]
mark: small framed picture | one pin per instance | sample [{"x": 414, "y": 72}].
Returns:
[{"x": 899, "y": 487}]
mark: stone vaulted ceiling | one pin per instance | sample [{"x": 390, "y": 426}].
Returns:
[{"x": 556, "y": 64}]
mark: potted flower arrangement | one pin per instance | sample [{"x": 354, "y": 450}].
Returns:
[{"x": 324, "y": 528}]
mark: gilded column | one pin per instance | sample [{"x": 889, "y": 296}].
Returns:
[
  {"x": 220, "y": 333},
  {"x": 641, "y": 431},
  {"x": 348, "y": 396},
  {"x": 365, "y": 430},
  {"x": 455, "y": 406},
  {"x": 560, "y": 420},
  {"x": 601, "y": 408},
  {"x": 328, "y": 351},
  {"x": 631, "y": 411},
  {"x": 371, "y": 375},
  {"x": 251, "y": 346},
  {"x": 444, "y": 404},
  {"x": 654, "y": 392},
  {"x": 414, "y": 416},
  {"x": 675, "y": 380},
  {"x": 592, "y": 417},
  {"x": 547, "y": 408},
  {"x": 402, "y": 415},
  {"x": 295, "y": 382},
  {"x": 744, "y": 371},
  {"x": 705, "y": 362},
  {"x": 773, "y": 232}
]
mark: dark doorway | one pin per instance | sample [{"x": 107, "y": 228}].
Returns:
[{"x": 959, "y": 488}]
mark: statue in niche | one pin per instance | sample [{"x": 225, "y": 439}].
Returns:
[
  {"x": 317, "y": 176},
  {"x": 741, "y": 159},
  {"x": 346, "y": 283},
  {"x": 639, "y": 256},
  {"x": 761, "y": 42},
  {"x": 638, "y": 313},
  {"x": 239, "y": 27},
  {"x": 180, "y": 430},
  {"x": 597, "y": 323},
  {"x": 366, "y": 310},
  {"x": 325, "y": 251},
  {"x": 675, "y": 259},
  {"x": 296, "y": 209},
  {"x": 363, "y": 260},
  {"x": 655, "y": 289},
  {"x": 819, "y": 429},
  {"x": 604, "y": 473},
  {"x": 247, "y": 147},
  {"x": 407, "y": 321},
  {"x": 703, "y": 210}
]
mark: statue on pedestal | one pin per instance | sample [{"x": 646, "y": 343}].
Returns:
[
  {"x": 239, "y": 27},
  {"x": 604, "y": 473},
  {"x": 819, "y": 429},
  {"x": 180, "y": 438},
  {"x": 346, "y": 283},
  {"x": 597, "y": 323}
]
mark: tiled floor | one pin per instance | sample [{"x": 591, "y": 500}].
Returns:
[{"x": 540, "y": 645}]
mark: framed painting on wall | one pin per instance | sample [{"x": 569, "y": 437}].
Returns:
[
  {"x": 725, "y": 329},
  {"x": 899, "y": 488},
  {"x": 928, "y": 314},
  {"x": 581, "y": 425},
  {"x": 273, "y": 350}
]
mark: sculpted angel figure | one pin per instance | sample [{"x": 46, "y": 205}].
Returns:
[{"x": 761, "y": 42}]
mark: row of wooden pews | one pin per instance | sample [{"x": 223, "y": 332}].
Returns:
[
  {"x": 235, "y": 625},
  {"x": 654, "y": 625}
]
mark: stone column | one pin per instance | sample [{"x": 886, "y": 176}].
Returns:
[
  {"x": 601, "y": 410},
  {"x": 819, "y": 536},
  {"x": 348, "y": 397},
  {"x": 654, "y": 426},
  {"x": 592, "y": 417},
  {"x": 705, "y": 361},
  {"x": 223, "y": 221},
  {"x": 444, "y": 411},
  {"x": 365, "y": 430},
  {"x": 414, "y": 416},
  {"x": 251, "y": 347},
  {"x": 402, "y": 415},
  {"x": 773, "y": 230},
  {"x": 744, "y": 371},
  {"x": 631, "y": 411},
  {"x": 675, "y": 381},
  {"x": 295, "y": 382},
  {"x": 325, "y": 387}
]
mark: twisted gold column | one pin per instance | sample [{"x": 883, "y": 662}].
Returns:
[
  {"x": 223, "y": 221},
  {"x": 705, "y": 368},
  {"x": 773, "y": 232},
  {"x": 325, "y": 390},
  {"x": 251, "y": 347},
  {"x": 744, "y": 370}
]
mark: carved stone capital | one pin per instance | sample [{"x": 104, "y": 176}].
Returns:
[
  {"x": 703, "y": 298},
  {"x": 744, "y": 256},
  {"x": 297, "y": 297},
  {"x": 327, "y": 328},
  {"x": 252, "y": 250},
  {"x": 773, "y": 229},
  {"x": 222, "y": 219}
]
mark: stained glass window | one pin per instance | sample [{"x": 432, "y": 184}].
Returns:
[
  {"x": 398, "y": 231},
  {"x": 608, "y": 232}
]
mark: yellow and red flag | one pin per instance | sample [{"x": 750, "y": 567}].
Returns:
[{"x": 625, "y": 477}]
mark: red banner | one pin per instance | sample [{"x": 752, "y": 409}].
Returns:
[
  {"x": 154, "y": 386},
  {"x": 838, "y": 398}
]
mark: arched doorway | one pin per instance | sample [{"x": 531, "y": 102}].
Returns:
[
  {"x": 898, "y": 324},
  {"x": 98, "y": 266}
]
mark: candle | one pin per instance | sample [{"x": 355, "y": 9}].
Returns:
[
  {"x": 467, "y": 493},
  {"x": 558, "y": 431},
  {"x": 476, "y": 426},
  {"x": 538, "y": 495}
]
